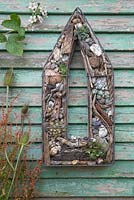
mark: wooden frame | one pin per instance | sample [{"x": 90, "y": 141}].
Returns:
[{"x": 96, "y": 149}]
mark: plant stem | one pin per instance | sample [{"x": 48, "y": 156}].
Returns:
[
  {"x": 15, "y": 170},
  {"x": 7, "y": 99}
]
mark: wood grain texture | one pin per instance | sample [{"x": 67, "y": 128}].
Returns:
[
  {"x": 77, "y": 96},
  {"x": 36, "y": 60},
  {"x": 123, "y": 151},
  {"x": 86, "y": 187},
  {"x": 95, "y": 7},
  {"x": 45, "y": 41},
  {"x": 32, "y": 78},
  {"x": 78, "y": 115},
  {"x": 103, "y": 23}
]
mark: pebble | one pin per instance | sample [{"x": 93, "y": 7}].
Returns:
[
  {"x": 78, "y": 25},
  {"x": 102, "y": 131},
  {"x": 56, "y": 69},
  {"x": 50, "y": 104},
  {"x": 76, "y": 20},
  {"x": 65, "y": 58},
  {"x": 53, "y": 66},
  {"x": 95, "y": 48}
]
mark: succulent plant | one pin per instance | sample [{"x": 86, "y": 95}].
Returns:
[{"x": 95, "y": 150}]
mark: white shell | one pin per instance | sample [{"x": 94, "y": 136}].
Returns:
[
  {"x": 55, "y": 150},
  {"x": 79, "y": 25},
  {"x": 95, "y": 48},
  {"x": 102, "y": 131}
]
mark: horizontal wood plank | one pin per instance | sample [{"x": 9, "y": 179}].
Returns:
[
  {"x": 103, "y": 23},
  {"x": 95, "y": 7},
  {"x": 123, "y": 132},
  {"x": 33, "y": 78},
  {"x": 45, "y": 41},
  {"x": 123, "y": 151},
  {"x": 120, "y": 60},
  {"x": 77, "y": 115},
  {"x": 85, "y": 187},
  {"x": 77, "y": 96},
  {"x": 120, "y": 169}
]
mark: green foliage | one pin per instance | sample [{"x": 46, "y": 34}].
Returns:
[
  {"x": 14, "y": 44},
  {"x": 2, "y": 38},
  {"x": 63, "y": 69},
  {"x": 83, "y": 32},
  {"x": 95, "y": 150}
]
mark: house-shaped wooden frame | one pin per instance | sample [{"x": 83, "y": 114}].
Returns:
[{"x": 96, "y": 149}]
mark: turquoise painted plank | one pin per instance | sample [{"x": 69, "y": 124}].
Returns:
[
  {"x": 76, "y": 96},
  {"x": 103, "y": 23},
  {"x": 123, "y": 132},
  {"x": 40, "y": 41},
  {"x": 120, "y": 169},
  {"x": 85, "y": 187},
  {"x": 33, "y": 78},
  {"x": 120, "y": 60},
  {"x": 63, "y": 6},
  {"x": 79, "y": 115}
]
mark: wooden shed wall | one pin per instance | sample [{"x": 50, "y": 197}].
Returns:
[{"x": 113, "y": 22}]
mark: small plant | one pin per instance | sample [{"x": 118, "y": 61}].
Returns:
[
  {"x": 38, "y": 13},
  {"x": 82, "y": 32},
  {"x": 63, "y": 69},
  {"x": 17, "y": 177},
  {"x": 95, "y": 150},
  {"x": 13, "y": 39}
]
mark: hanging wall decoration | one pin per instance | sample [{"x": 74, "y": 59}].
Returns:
[{"x": 96, "y": 149}]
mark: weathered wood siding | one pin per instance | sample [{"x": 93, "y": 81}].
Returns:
[{"x": 113, "y": 22}]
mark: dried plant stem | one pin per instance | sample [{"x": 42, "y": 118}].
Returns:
[
  {"x": 7, "y": 94},
  {"x": 15, "y": 170}
]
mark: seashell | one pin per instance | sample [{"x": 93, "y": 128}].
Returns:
[
  {"x": 74, "y": 162},
  {"x": 102, "y": 131},
  {"x": 65, "y": 58},
  {"x": 96, "y": 123},
  {"x": 76, "y": 20},
  {"x": 56, "y": 69},
  {"x": 50, "y": 104},
  {"x": 57, "y": 54},
  {"x": 93, "y": 139},
  {"x": 109, "y": 113},
  {"x": 52, "y": 61},
  {"x": 52, "y": 77},
  {"x": 95, "y": 48},
  {"x": 78, "y": 25},
  {"x": 53, "y": 66},
  {"x": 55, "y": 150},
  {"x": 100, "y": 160}
]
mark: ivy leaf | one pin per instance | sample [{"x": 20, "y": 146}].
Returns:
[
  {"x": 2, "y": 38},
  {"x": 13, "y": 23},
  {"x": 21, "y": 32},
  {"x": 13, "y": 45},
  {"x": 15, "y": 17}
]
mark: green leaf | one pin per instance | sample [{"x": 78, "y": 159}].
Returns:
[
  {"x": 2, "y": 38},
  {"x": 16, "y": 18},
  {"x": 13, "y": 46},
  {"x": 13, "y": 23},
  {"x": 21, "y": 32}
]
